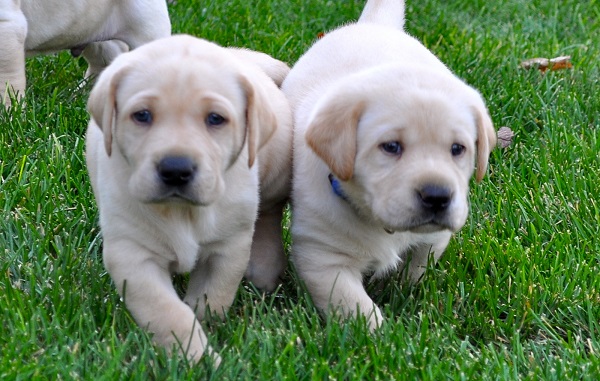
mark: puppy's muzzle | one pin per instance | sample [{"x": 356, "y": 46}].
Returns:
[
  {"x": 434, "y": 199},
  {"x": 176, "y": 171}
]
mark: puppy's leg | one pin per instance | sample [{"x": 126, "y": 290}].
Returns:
[
  {"x": 418, "y": 259},
  {"x": 267, "y": 261},
  {"x": 147, "y": 21},
  {"x": 333, "y": 284},
  {"x": 146, "y": 287},
  {"x": 13, "y": 31},
  {"x": 215, "y": 280},
  {"x": 100, "y": 54}
]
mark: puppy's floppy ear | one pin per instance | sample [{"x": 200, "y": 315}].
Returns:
[
  {"x": 486, "y": 140},
  {"x": 102, "y": 104},
  {"x": 260, "y": 119},
  {"x": 332, "y": 132}
]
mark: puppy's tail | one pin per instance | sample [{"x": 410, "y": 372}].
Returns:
[{"x": 384, "y": 12}]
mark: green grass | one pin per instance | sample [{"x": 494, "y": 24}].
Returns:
[{"x": 517, "y": 295}]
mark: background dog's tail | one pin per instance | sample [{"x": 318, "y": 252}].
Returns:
[{"x": 384, "y": 12}]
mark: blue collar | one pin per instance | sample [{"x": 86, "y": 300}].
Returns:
[{"x": 337, "y": 187}]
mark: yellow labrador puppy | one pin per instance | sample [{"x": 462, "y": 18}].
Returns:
[
  {"x": 385, "y": 142},
  {"x": 98, "y": 29},
  {"x": 182, "y": 133}
]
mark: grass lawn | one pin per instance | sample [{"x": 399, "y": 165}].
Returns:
[{"x": 517, "y": 295}]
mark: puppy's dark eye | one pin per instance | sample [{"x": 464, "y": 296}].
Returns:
[
  {"x": 142, "y": 117},
  {"x": 457, "y": 149},
  {"x": 392, "y": 148},
  {"x": 214, "y": 119}
]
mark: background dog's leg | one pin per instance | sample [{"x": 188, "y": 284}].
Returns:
[
  {"x": 100, "y": 54},
  {"x": 13, "y": 32},
  {"x": 336, "y": 286},
  {"x": 150, "y": 22},
  {"x": 268, "y": 260},
  {"x": 215, "y": 280},
  {"x": 150, "y": 297}
]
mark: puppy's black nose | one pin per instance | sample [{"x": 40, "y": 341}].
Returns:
[
  {"x": 435, "y": 198},
  {"x": 176, "y": 171}
]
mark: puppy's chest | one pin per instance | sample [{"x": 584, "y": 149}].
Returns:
[
  {"x": 387, "y": 252},
  {"x": 186, "y": 239},
  {"x": 183, "y": 248}
]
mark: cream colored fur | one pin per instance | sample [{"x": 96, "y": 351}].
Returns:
[
  {"x": 359, "y": 94},
  {"x": 98, "y": 29},
  {"x": 159, "y": 103}
]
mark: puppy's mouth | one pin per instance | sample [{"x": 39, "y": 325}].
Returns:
[
  {"x": 431, "y": 227},
  {"x": 426, "y": 224},
  {"x": 432, "y": 210},
  {"x": 175, "y": 196}
]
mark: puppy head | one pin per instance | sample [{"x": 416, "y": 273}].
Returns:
[
  {"x": 180, "y": 111},
  {"x": 404, "y": 145}
]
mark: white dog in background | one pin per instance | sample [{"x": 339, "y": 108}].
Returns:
[
  {"x": 385, "y": 142},
  {"x": 97, "y": 29},
  {"x": 183, "y": 131}
]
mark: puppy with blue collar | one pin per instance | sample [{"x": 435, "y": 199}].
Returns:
[{"x": 386, "y": 140}]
